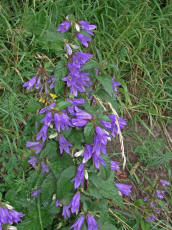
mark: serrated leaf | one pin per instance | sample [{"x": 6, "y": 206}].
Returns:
[
  {"x": 106, "y": 81},
  {"x": 102, "y": 94},
  {"x": 60, "y": 72},
  {"x": 108, "y": 226},
  {"x": 92, "y": 64},
  {"x": 89, "y": 133},
  {"x": 62, "y": 105},
  {"x": 107, "y": 188},
  {"x": 64, "y": 184}
]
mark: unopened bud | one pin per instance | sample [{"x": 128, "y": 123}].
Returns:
[
  {"x": 74, "y": 46},
  {"x": 86, "y": 174},
  {"x": 9, "y": 207},
  {"x": 11, "y": 228},
  {"x": 53, "y": 136},
  {"x": 77, "y": 27},
  {"x": 78, "y": 154}
]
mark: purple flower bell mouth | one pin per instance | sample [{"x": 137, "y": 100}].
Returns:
[
  {"x": 79, "y": 177},
  {"x": 87, "y": 27},
  {"x": 124, "y": 188},
  {"x": 78, "y": 224},
  {"x": 36, "y": 193},
  {"x": 29, "y": 84},
  {"x": 10, "y": 216},
  {"x": 63, "y": 27},
  {"x": 92, "y": 223},
  {"x": 36, "y": 146},
  {"x": 83, "y": 39},
  {"x": 75, "y": 203},
  {"x": 64, "y": 145}
]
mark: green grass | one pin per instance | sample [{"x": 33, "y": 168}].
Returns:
[{"x": 134, "y": 39}]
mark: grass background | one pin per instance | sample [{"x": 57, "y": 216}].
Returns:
[{"x": 134, "y": 39}]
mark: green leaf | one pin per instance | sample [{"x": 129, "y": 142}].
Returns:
[
  {"x": 60, "y": 72},
  {"x": 106, "y": 81},
  {"x": 107, "y": 188},
  {"x": 89, "y": 133},
  {"x": 64, "y": 184},
  {"x": 103, "y": 95},
  {"x": 144, "y": 225},
  {"x": 108, "y": 226},
  {"x": 62, "y": 105},
  {"x": 92, "y": 64}
]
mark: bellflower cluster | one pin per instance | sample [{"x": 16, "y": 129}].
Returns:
[
  {"x": 37, "y": 83},
  {"x": 76, "y": 79},
  {"x": 9, "y": 216},
  {"x": 75, "y": 117},
  {"x": 79, "y": 177}
]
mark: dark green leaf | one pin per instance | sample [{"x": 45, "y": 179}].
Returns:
[
  {"x": 106, "y": 81},
  {"x": 62, "y": 105},
  {"x": 89, "y": 133}
]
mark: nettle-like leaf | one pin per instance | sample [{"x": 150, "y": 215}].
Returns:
[
  {"x": 60, "y": 72},
  {"x": 106, "y": 81},
  {"x": 104, "y": 96},
  {"x": 64, "y": 184},
  {"x": 107, "y": 188},
  {"x": 89, "y": 133}
]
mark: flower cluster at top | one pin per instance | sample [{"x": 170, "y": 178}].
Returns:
[
  {"x": 9, "y": 216},
  {"x": 74, "y": 116}
]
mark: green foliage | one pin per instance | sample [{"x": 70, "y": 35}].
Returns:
[{"x": 134, "y": 40}]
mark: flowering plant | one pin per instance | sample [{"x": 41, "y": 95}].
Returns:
[{"x": 74, "y": 176}]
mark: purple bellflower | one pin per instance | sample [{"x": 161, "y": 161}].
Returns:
[
  {"x": 10, "y": 216},
  {"x": 69, "y": 50},
  {"x": 83, "y": 39},
  {"x": 33, "y": 160},
  {"x": 51, "y": 81},
  {"x": 165, "y": 183},
  {"x": 115, "y": 84},
  {"x": 81, "y": 114},
  {"x": 29, "y": 84},
  {"x": 64, "y": 145},
  {"x": 36, "y": 193},
  {"x": 114, "y": 165},
  {"x": 63, "y": 27},
  {"x": 124, "y": 188},
  {"x": 75, "y": 103},
  {"x": 75, "y": 202},
  {"x": 87, "y": 27},
  {"x": 100, "y": 141},
  {"x": 79, "y": 177},
  {"x": 78, "y": 122},
  {"x": 45, "y": 167},
  {"x": 42, "y": 133},
  {"x": 78, "y": 224},
  {"x": 87, "y": 153},
  {"x": 47, "y": 119},
  {"x": 36, "y": 146},
  {"x": 97, "y": 160},
  {"x": 122, "y": 123},
  {"x": 160, "y": 194},
  {"x": 80, "y": 59},
  {"x": 66, "y": 211},
  {"x": 92, "y": 223},
  {"x": 46, "y": 109},
  {"x": 61, "y": 121},
  {"x": 57, "y": 203}
]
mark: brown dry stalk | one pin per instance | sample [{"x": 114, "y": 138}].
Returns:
[{"x": 121, "y": 139}]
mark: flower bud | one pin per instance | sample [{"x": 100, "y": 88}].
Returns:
[
  {"x": 77, "y": 27},
  {"x": 53, "y": 135},
  {"x": 78, "y": 154},
  {"x": 86, "y": 174}
]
